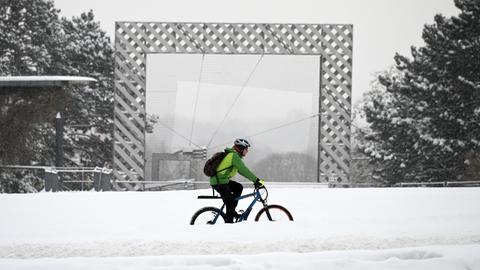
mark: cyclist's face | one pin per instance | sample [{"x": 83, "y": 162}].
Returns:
[{"x": 245, "y": 151}]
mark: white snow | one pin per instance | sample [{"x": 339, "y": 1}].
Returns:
[{"x": 409, "y": 228}]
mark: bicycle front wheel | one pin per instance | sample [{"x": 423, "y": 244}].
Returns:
[
  {"x": 208, "y": 215},
  {"x": 275, "y": 213}
]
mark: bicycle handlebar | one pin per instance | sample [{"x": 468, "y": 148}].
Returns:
[{"x": 257, "y": 189}]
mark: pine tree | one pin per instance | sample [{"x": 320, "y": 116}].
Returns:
[
  {"x": 427, "y": 125},
  {"x": 89, "y": 112},
  {"x": 29, "y": 32}
]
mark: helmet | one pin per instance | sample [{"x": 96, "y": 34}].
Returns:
[{"x": 242, "y": 143}]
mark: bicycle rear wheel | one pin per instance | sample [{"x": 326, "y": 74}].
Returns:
[
  {"x": 276, "y": 213},
  {"x": 208, "y": 215}
]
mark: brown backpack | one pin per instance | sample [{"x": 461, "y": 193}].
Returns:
[{"x": 210, "y": 168}]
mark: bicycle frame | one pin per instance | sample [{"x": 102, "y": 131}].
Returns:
[{"x": 244, "y": 216}]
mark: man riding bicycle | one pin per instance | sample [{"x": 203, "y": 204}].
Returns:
[{"x": 228, "y": 168}]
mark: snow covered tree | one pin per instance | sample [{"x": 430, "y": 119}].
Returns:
[
  {"x": 28, "y": 32},
  {"x": 365, "y": 171},
  {"x": 35, "y": 41},
  {"x": 89, "y": 111},
  {"x": 425, "y": 116}
]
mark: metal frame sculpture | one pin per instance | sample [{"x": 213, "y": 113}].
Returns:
[{"x": 333, "y": 43}]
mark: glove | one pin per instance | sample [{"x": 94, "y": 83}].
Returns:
[{"x": 259, "y": 183}]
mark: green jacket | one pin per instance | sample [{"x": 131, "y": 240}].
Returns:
[{"x": 233, "y": 162}]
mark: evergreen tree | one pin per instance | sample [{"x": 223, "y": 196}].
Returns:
[
  {"x": 426, "y": 123},
  {"x": 89, "y": 111},
  {"x": 29, "y": 30}
]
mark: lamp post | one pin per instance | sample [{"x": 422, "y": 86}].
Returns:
[{"x": 59, "y": 126}]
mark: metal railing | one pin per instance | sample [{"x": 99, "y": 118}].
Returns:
[
  {"x": 473, "y": 183},
  {"x": 62, "y": 178}
]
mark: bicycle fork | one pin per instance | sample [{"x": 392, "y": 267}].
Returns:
[{"x": 265, "y": 205}]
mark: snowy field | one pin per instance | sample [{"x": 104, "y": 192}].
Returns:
[{"x": 409, "y": 228}]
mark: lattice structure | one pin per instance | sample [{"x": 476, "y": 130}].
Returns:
[
  {"x": 335, "y": 108},
  {"x": 135, "y": 40}
]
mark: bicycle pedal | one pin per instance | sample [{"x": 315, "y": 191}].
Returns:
[{"x": 239, "y": 217}]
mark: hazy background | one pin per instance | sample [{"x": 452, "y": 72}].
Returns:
[{"x": 281, "y": 89}]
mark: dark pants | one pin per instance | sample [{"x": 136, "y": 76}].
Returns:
[{"x": 229, "y": 192}]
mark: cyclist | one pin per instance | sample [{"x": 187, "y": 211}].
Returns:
[{"x": 228, "y": 168}]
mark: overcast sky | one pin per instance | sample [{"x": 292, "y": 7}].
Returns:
[{"x": 381, "y": 27}]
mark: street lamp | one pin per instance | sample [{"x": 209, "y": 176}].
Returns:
[{"x": 59, "y": 124}]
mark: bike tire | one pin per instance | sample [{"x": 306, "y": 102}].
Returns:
[
  {"x": 206, "y": 215},
  {"x": 274, "y": 213}
]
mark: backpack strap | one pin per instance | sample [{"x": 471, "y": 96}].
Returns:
[{"x": 216, "y": 173}]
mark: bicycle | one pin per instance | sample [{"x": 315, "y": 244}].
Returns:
[{"x": 212, "y": 215}]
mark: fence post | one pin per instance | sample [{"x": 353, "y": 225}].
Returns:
[
  {"x": 97, "y": 179},
  {"x": 105, "y": 179},
  {"x": 101, "y": 179},
  {"x": 51, "y": 180}
]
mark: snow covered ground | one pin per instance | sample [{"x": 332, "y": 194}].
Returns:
[{"x": 409, "y": 228}]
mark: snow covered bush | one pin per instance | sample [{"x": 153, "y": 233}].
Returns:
[{"x": 20, "y": 182}]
